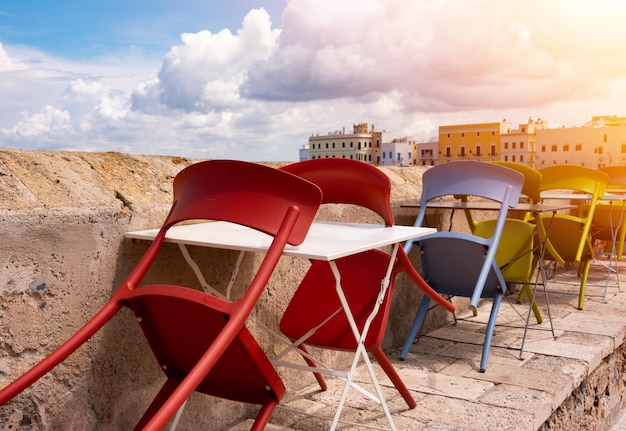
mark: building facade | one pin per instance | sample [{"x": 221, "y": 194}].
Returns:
[
  {"x": 398, "y": 152},
  {"x": 427, "y": 153},
  {"x": 479, "y": 142},
  {"x": 364, "y": 144},
  {"x": 519, "y": 145},
  {"x": 597, "y": 144}
]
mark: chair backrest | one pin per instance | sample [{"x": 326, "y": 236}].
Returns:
[
  {"x": 531, "y": 189},
  {"x": 345, "y": 181},
  {"x": 480, "y": 179},
  {"x": 532, "y": 179},
  {"x": 470, "y": 178},
  {"x": 577, "y": 179},
  {"x": 225, "y": 190},
  {"x": 574, "y": 178},
  {"x": 617, "y": 176}
]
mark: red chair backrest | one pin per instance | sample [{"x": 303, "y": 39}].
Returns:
[
  {"x": 239, "y": 185},
  {"x": 346, "y": 181}
]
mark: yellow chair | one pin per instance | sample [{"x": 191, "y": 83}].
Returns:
[
  {"x": 515, "y": 252},
  {"x": 569, "y": 238},
  {"x": 608, "y": 223}
]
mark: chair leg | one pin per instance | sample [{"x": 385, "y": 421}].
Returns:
[
  {"x": 166, "y": 390},
  {"x": 417, "y": 324},
  {"x": 264, "y": 414},
  {"x": 584, "y": 273},
  {"x": 318, "y": 376},
  {"x": 391, "y": 372},
  {"x": 497, "y": 300}
]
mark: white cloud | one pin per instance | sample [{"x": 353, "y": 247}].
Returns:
[
  {"x": 7, "y": 64},
  {"x": 47, "y": 123}
]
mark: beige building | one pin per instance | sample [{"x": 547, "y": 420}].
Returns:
[
  {"x": 519, "y": 145},
  {"x": 600, "y": 142},
  {"x": 427, "y": 153},
  {"x": 364, "y": 144}
]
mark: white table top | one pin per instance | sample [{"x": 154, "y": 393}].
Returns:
[{"x": 324, "y": 241}]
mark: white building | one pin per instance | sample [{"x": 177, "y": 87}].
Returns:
[{"x": 398, "y": 152}]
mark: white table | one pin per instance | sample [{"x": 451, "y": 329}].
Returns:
[{"x": 325, "y": 241}]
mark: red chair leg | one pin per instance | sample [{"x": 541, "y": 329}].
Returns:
[
  {"x": 264, "y": 414},
  {"x": 165, "y": 392},
  {"x": 391, "y": 372},
  {"x": 318, "y": 376}
]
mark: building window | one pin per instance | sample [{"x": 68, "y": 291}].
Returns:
[
  {"x": 326, "y": 145},
  {"x": 605, "y": 138},
  {"x": 390, "y": 155},
  {"x": 462, "y": 152},
  {"x": 399, "y": 156},
  {"x": 566, "y": 147},
  {"x": 513, "y": 145},
  {"x": 410, "y": 157},
  {"x": 333, "y": 145},
  {"x": 384, "y": 157},
  {"x": 478, "y": 154},
  {"x": 343, "y": 145},
  {"x": 477, "y": 133},
  {"x": 492, "y": 151},
  {"x": 448, "y": 152},
  {"x": 553, "y": 148},
  {"x": 579, "y": 147},
  {"x": 600, "y": 150},
  {"x": 521, "y": 145},
  {"x": 521, "y": 158},
  {"x": 506, "y": 145}
]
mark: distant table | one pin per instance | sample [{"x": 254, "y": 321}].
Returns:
[
  {"x": 325, "y": 241},
  {"x": 612, "y": 196},
  {"x": 492, "y": 206}
]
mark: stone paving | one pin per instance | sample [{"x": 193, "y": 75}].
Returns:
[{"x": 513, "y": 394}]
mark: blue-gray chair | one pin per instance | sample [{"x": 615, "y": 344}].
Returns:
[{"x": 458, "y": 263}]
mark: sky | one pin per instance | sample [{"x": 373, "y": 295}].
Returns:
[{"x": 253, "y": 80}]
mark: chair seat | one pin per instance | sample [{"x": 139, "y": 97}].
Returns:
[
  {"x": 468, "y": 257},
  {"x": 242, "y": 373}
]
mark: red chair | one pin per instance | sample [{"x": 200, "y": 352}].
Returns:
[
  {"x": 345, "y": 181},
  {"x": 199, "y": 340}
]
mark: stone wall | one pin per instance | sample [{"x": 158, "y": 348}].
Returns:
[{"x": 63, "y": 254}]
